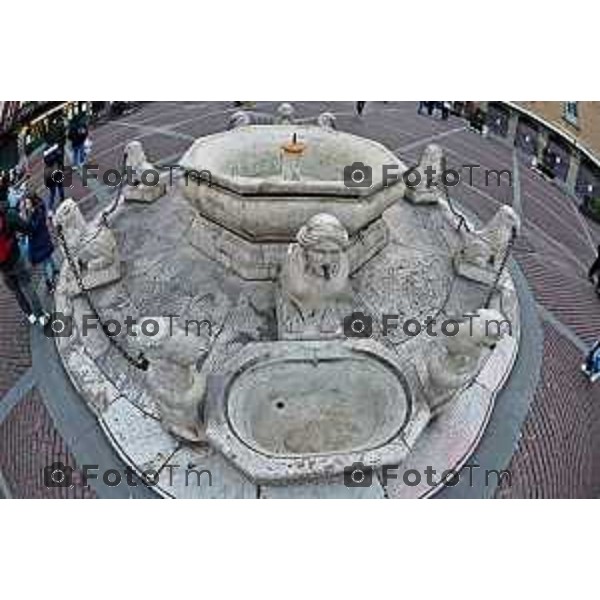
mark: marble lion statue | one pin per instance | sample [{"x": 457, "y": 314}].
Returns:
[
  {"x": 135, "y": 158},
  {"x": 462, "y": 355},
  {"x": 316, "y": 268},
  {"x": 486, "y": 247},
  {"x": 93, "y": 246},
  {"x": 429, "y": 189},
  {"x": 173, "y": 378}
]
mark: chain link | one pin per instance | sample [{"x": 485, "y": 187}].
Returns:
[
  {"x": 462, "y": 222},
  {"x": 494, "y": 287},
  {"x": 139, "y": 362}
]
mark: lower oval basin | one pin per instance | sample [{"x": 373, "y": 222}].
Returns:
[
  {"x": 295, "y": 407},
  {"x": 306, "y": 410}
]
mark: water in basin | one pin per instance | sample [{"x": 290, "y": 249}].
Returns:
[
  {"x": 248, "y": 160},
  {"x": 291, "y": 407}
]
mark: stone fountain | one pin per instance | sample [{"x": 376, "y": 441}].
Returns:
[{"x": 274, "y": 366}]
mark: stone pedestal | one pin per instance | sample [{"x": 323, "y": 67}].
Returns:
[
  {"x": 144, "y": 193},
  {"x": 323, "y": 324},
  {"x": 473, "y": 272},
  {"x": 99, "y": 278},
  {"x": 262, "y": 261}
]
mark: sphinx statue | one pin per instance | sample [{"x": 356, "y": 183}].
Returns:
[{"x": 314, "y": 282}]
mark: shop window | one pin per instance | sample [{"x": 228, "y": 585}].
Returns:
[{"x": 571, "y": 113}]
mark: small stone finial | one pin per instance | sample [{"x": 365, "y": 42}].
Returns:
[
  {"x": 239, "y": 118},
  {"x": 285, "y": 113},
  {"x": 326, "y": 120}
]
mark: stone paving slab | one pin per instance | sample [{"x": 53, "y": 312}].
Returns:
[
  {"x": 331, "y": 491},
  {"x": 30, "y": 443},
  {"x": 557, "y": 455},
  {"x": 185, "y": 479}
]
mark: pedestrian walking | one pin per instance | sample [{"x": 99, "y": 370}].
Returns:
[
  {"x": 591, "y": 366},
  {"x": 78, "y": 133},
  {"x": 40, "y": 243},
  {"x": 56, "y": 134},
  {"x": 14, "y": 270},
  {"x": 445, "y": 110},
  {"x": 54, "y": 177},
  {"x": 360, "y": 107},
  {"x": 422, "y": 106},
  {"x": 22, "y": 148},
  {"x": 87, "y": 150},
  {"x": 17, "y": 192}
]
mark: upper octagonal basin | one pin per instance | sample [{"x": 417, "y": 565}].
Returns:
[
  {"x": 248, "y": 160},
  {"x": 250, "y": 195}
]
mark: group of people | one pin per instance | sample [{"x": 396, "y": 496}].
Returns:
[
  {"x": 433, "y": 108},
  {"x": 25, "y": 242},
  {"x": 56, "y": 138},
  {"x": 26, "y": 218},
  {"x": 77, "y": 133}
]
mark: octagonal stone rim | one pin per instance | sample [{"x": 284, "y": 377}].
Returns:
[{"x": 249, "y": 186}]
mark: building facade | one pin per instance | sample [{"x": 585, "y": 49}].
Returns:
[
  {"x": 577, "y": 120},
  {"x": 563, "y": 138}
]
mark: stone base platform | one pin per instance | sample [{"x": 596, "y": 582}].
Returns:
[
  {"x": 145, "y": 193},
  {"x": 166, "y": 273},
  {"x": 473, "y": 272},
  {"x": 262, "y": 261}
]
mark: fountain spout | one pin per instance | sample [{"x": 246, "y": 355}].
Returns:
[{"x": 291, "y": 158}]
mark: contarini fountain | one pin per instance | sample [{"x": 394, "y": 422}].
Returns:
[{"x": 269, "y": 300}]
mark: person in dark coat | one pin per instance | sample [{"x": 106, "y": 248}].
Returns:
[
  {"x": 591, "y": 366},
  {"x": 56, "y": 134},
  {"x": 595, "y": 270},
  {"x": 445, "y": 108},
  {"x": 13, "y": 268},
  {"x": 54, "y": 173},
  {"x": 41, "y": 247},
  {"x": 78, "y": 132}
]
